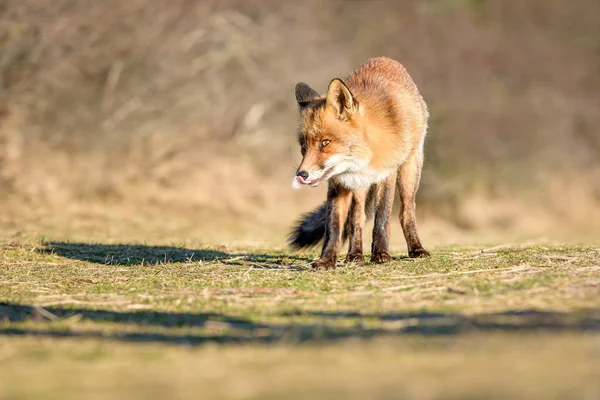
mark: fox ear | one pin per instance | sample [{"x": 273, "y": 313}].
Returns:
[
  {"x": 305, "y": 94},
  {"x": 340, "y": 98}
]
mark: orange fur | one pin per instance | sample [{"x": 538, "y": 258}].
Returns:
[{"x": 369, "y": 128}]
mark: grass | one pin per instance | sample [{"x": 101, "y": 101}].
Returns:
[{"x": 90, "y": 320}]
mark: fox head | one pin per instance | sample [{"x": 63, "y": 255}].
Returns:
[{"x": 331, "y": 138}]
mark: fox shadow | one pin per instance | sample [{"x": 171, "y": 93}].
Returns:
[
  {"x": 223, "y": 329},
  {"x": 137, "y": 254}
]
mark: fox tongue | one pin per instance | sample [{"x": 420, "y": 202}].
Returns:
[{"x": 296, "y": 183}]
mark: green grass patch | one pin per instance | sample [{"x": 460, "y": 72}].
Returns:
[{"x": 142, "y": 318}]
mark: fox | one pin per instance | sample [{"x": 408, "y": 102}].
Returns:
[{"x": 365, "y": 137}]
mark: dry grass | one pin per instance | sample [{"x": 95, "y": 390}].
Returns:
[
  {"x": 151, "y": 319},
  {"x": 189, "y": 103},
  {"x": 473, "y": 366}
]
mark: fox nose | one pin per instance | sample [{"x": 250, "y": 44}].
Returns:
[{"x": 302, "y": 174}]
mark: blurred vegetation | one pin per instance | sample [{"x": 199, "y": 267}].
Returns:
[{"x": 190, "y": 102}]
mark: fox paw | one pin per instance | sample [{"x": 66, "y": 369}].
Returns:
[
  {"x": 355, "y": 257},
  {"x": 381, "y": 258},
  {"x": 418, "y": 253},
  {"x": 324, "y": 264}
]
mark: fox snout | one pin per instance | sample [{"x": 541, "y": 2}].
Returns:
[
  {"x": 300, "y": 179},
  {"x": 306, "y": 178},
  {"x": 302, "y": 174}
]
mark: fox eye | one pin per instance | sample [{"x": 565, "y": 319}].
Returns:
[{"x": 325, "y": 142}]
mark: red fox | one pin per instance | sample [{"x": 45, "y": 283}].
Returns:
[{"x": 364, "y": 137}]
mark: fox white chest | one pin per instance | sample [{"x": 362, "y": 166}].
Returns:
[{"x": 361, "y": 179}]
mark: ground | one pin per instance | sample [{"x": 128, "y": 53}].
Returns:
[{"x": 92, "y": 320}]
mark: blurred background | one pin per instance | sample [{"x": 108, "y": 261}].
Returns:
[{"x": 177, "y": 119}]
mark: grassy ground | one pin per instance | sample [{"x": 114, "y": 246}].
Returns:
[{"x": 85, "y": 320}]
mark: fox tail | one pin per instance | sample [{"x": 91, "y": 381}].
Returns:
[{"x": 310, "y": 228}]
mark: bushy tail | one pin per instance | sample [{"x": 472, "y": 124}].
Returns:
[{"x": 310, "y": 229}]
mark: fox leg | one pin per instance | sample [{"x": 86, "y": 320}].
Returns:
[
  {"x": 338, "y": 204},
  {"x": 356, "y": 226},
  {"x": 409, "y": 176},
  {"x": 384, "y": 200}
]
